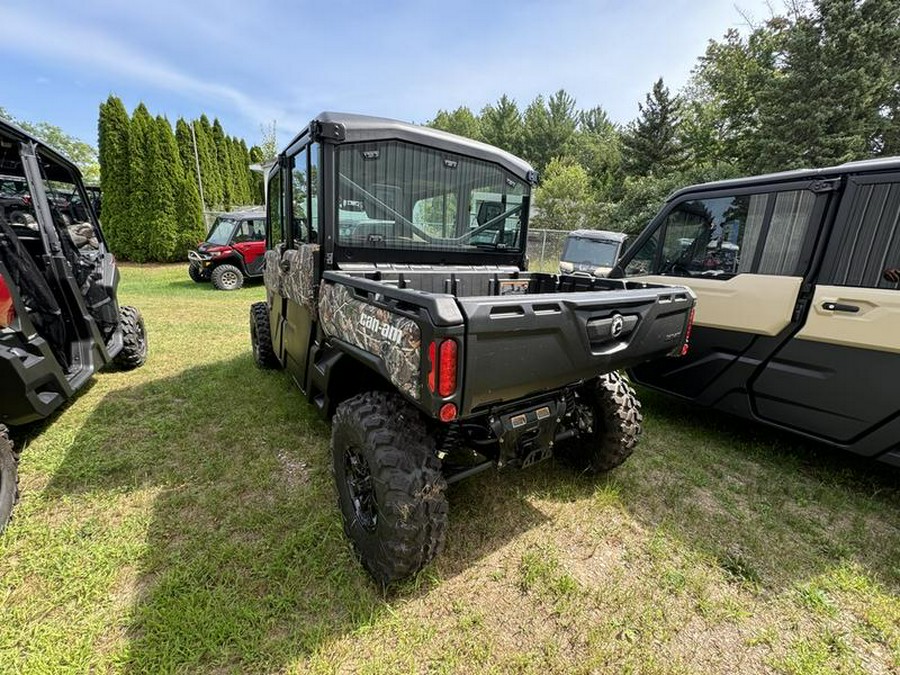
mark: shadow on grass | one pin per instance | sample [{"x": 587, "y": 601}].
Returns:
[
  {"x": 245, "y": 564},
  {"x": 771, "y": 508}
]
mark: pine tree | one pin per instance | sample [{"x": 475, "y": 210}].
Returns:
[
  {"x": 651, "y": 143},
  {"x": 209, "y": 167},
  {"x": 185, "y": 141},
  {"x": 223, "y": 163},
  {"x": 461, "y": 122},
  {"x": 501, "y": 125},
  {"x": 188, "y": 208},
  {"x": 248, "y": 175},
  {"x": 549, "y": 128},
  {"x": 237, "y": 175},
  {"x": 165, "y": 174},
  {"x": 258, "y": 191},
  {"x": 115, "y": 169},
  {"x": 142, "y": 153}
]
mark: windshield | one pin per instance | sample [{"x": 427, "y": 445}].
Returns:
[
  {"x": 220, "y": 234},
  {"x": 581, "y": 250},
  {"x": 394, "y": 195}
]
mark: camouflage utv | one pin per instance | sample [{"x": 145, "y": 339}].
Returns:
[{"x": 397, "y": 297}]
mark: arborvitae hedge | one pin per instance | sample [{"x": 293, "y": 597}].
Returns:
[
  {"x": 151, "y": 203},
  {"x": 114, "y": 172}
]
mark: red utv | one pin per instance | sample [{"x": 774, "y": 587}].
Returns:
[{"x": 234, "y": 250}]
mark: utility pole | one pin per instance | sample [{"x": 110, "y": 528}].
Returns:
[{"x": 197, "y": 160}]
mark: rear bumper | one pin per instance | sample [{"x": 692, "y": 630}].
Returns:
[{"x": 33, "y": 383}]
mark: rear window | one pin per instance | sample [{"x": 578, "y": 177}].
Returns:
[{"x": 398, "y": 195}]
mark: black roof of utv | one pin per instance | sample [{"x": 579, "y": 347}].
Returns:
[
  {"x": 861, "y": 166},
  {"x": 338, "y": 127}
]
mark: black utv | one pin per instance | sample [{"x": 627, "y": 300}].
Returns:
[{"x": 59, "y": 318}]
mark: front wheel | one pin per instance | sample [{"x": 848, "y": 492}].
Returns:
[
  {"x": 389, "y": 483},
  {"x": 196, "y": 273},
  {"x": 9, "y": 478},
  {"x": 227, "y": 278},
  {"x": 134, "y": 339},
  {"x": 607, "y": 416}
]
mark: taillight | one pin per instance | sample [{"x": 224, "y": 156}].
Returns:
[
  {"x": 443, "y": 361},
  {"x": 447, "y": 382},
  {"x": 431, "y": 373},
  {"x": 7, "y": 306},
  {"x": 687, "y": 333}
]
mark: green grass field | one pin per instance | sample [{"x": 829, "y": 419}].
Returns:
[{"x": 182, "y": 518}]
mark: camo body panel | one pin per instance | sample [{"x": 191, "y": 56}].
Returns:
[
  {"x": 299, "y": 283},
  {"x": 272, "y": 272},
  {"x": 393, "y": 338}
]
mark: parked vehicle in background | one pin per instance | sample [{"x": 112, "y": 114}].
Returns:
[
  {"x": 60, "y": 321},
  {"x": 233, "y": 250},
  {"x": 591, "y": 252},
  {"x": 400, "y": 304},
  {"x": 15, "y": 201},
  {"x": 798, "y": 310}
]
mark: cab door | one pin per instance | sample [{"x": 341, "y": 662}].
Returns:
[
  {"x": 250, "y": 241},
  {"x": 274, "y": 265},
  {"x": 744, "y": 253},
  {"x": 837, "y": 378},
  {"x": 300, "y": 262}
]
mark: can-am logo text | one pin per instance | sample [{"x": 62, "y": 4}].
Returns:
[{"x": 382, "y": 328}]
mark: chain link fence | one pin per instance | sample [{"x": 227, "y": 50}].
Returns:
[{"x": 544, "y": 248}]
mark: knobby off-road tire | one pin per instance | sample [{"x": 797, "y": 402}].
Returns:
[
  {"x": 610, "y": 422},
  {"x": 195, "y": 273},
  {"x": 261, "y": 336},
  {"x": 227, "y": 278},
  {"x": 9, "y": 478},
  {"x": 390, "y": 488},
  {"x": 134, "y": 339}
]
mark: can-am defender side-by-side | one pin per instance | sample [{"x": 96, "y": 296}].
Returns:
[
  {"x": 591, "y": 252},
  {"x": 233, "y": 250},
  {"x": 798, "y": 307},
  {"x": 398, "y": 300},
  {"x": 60, "y": 321}
]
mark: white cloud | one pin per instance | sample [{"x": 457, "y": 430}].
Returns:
[{"x": 58, "y": 41}]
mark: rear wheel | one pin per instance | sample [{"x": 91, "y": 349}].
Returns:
[
  {"x": 9, "y": 478},
  {"x": 134, "y": 339},
  {"x": 227, "y": 278},
  {"x": 608, "y": 417},
  {"x": 261, "y": 336},
  {"x": 389, "y": 483},
  {"x": 195, "y": 272}
]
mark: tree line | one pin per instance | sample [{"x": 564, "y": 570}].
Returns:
[
  {"x": 814, "y": 85},
  {"x": 82, "y": 154},
  {"x": 152, "y": 176}
]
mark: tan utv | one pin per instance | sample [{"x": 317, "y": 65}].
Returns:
[{"x": 798, "y": 309}]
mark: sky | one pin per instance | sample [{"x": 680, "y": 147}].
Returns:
[{"x": 253, "y": 62}]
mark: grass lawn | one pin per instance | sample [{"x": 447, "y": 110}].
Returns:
[{"x": 182, "y": 518}]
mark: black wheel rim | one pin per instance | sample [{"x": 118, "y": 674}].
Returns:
[
  {"x": 583, "y": 417},
  {"x": 361, "y": 488},
  {"x": 141, "y": 338}
]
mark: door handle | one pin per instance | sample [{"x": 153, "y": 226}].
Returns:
[{"x": 839, "y": 307}]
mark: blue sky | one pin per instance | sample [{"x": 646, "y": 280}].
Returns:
[{"x": 256, "y": 61}]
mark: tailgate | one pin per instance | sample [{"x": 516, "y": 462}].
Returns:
[{"x": 520, "y": 345}]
